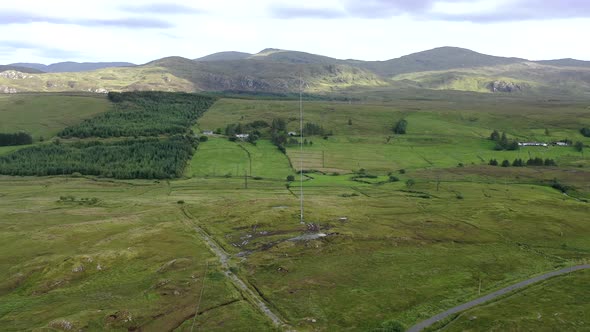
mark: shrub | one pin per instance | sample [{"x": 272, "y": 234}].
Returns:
[
  {"x": 400, "y": 127},
  {"x": 290, "y": 178},
  {"x": 203, "y": 138},
  {"x": 505, "y": 163},
  {"x": 393, "y": 178},
  {"x": 180, "y": 202}
]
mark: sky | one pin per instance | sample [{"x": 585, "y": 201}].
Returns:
[{"x": 140, "y": 31}]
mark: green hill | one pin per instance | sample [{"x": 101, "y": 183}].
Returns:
[
  {"x": 436, "y": 59},
  {"x": 565, "y": 63},
  {"x": 225, "y": 56},
  {"x": 19, "y": 69}
]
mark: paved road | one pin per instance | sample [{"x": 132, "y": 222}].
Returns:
[{"x": 424, "y": 324}]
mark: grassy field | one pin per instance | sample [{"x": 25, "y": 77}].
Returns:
[
  {"x": 438, "y": 136},
  {"x": 220, "y": 157},
  {"x": 408, "y": 249},
  {"x": 129, "y": 260},
  {"x": 558, "y": 304},
  {"x": 44, "y": 115}
]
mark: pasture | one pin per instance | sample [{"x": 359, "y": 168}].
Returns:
[{"x": 44, "y": 115}]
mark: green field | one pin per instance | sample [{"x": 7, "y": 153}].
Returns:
[
  {"x": 449, "y": 230},
  {"x": 220, "y": 157},
  {"x": 437, "y": 136},
  {"x": 44, "y": 115}
]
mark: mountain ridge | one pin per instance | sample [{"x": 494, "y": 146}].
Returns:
[{"x": 275, "y": 70}]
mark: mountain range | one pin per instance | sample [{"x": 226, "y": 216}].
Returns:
[
  {"x": 69, "y": 66},
  {"x": 280, "y": 71}
]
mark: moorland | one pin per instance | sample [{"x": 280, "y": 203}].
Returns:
[{"x": 140, "y": 210}]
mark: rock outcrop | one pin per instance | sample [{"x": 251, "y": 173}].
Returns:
[
  {"x": 6, "y": 89},
  {"x": 14, "y": 75},
  {"x": 503, "y": 86}
]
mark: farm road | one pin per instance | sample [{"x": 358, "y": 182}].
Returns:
[{"x": 426, "y": 323}]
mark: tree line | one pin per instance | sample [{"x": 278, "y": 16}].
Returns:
[
  {"x": 518, "y": 162},
  {"x": 502, "y": 142},
  {"x": 144, "y": 113},
  {"x": 150, "y": 158},
  {"x": 15, "y": 139}
]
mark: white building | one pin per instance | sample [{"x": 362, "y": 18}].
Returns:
[{"x": 532, "y": 144}]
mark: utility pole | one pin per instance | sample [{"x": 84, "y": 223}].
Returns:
[{"x": 245, "y": 180}]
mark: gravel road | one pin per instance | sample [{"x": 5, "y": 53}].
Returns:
[{"x": 424, "y": 324}]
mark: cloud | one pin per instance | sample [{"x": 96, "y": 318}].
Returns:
[
  {"x": 295, "y": 12},
  {"x": 162, "y": 8},
  {"x": 11, "y": 46},
  {"x": 525, "y": 10},
  {"x": 126, "y": 22},
  {"x": 497, "y": 11}
]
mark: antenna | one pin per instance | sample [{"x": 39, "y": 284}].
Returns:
[{"x": 301, "y": 146}]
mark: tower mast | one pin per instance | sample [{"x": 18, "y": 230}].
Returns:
[{"x": 301, "y": 146}]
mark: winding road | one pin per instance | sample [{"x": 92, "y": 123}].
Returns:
[{"x": 426, "y": 323}]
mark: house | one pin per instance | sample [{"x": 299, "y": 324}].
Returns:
[
  {"x": 243, "y": 136},
  {"x": 292, "y": 133},
  {"x": 561, "y": 143},
  {"x": 532, "y": 144},
  {"x": 207, "y": 132}
]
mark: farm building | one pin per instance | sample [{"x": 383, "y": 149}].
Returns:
[
  {"x": 243, "y": 136},
  {"x": 532, "y": 144},
  {"x": 292, "y": 133},
  {"x": 561, "y": 143},
  {"x": 208, "y": 132}
]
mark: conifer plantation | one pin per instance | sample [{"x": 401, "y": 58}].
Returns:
[
  {"x": 135, "y": 114},
  {"x": 144, "y": 113}
]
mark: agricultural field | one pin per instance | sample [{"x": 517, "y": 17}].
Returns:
[
  {"x": 438, "y": 136},
  {"x": 414, "y": 224},
  {"x": 44, "y": 115}
]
